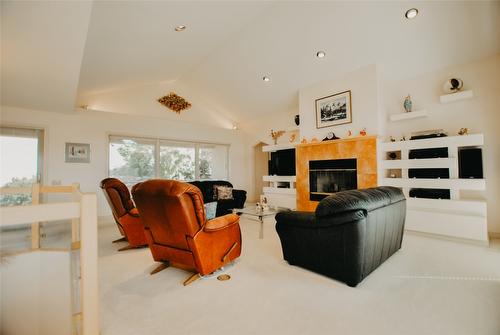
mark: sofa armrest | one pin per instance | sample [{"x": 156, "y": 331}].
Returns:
[
  {"x": 296, "y": 218},
  {"x": 221, "y": 222},
  {"x": 240, "y": 196}
]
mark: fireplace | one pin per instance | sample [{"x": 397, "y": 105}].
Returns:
[{"x": 330, "y": 176}]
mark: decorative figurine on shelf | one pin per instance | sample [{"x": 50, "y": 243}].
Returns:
[
  {"x": 258, "y": 207},
  {"x": 408, "y": 104},
  {"x": 263, "y": 203},
  {"x": 403, "y": 138},
  {"x": 276, "y": 134},
  {"x": 330, "y": 136},
  {"x": 304, "y": 141},
  {"x": 453, "y": 85},
  {"x": 349, "y": 133},
  {"x": 297, "y": 119},
  {"x": 314, "y": 140},
  {"x": 363, "y": 132},
  {"x": 463, "y": 131},
  {"x": 392, "y": 139},
  {"x": 392, "y": 155},
  {"x": 292, "y": 138}
]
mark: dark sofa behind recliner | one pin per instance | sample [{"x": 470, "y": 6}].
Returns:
[
  {"x": 350, "y": 234},
  {"x": 223, "y": 206}
]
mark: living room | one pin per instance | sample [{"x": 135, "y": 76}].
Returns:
[{"x": 191, "y": 91}]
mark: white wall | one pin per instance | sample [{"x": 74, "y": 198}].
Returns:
[
  {"x": 374, "y": 99},
  {"x": 94, "y": 128},
  {"x": 363, "y": 84},
  {"x": 480, "y": 114}
]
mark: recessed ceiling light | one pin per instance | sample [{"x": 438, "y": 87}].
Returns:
[
  {"x": 320, "y": 54},
  {"x": 411, "y": 13},
  {"x": 266, "y": 79},
  {"x": 180, "y": 28},
  {"x": 235, "y": 126}
]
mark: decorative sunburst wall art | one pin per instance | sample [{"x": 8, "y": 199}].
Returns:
[{"x": 174, "y": 102}]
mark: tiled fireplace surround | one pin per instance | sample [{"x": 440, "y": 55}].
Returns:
[{"x": 364, "y": 149}]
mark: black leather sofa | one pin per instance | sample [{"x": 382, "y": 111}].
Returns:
[
  {"x": 348, "y": 236},
  {"x": 223, "y": 206}
]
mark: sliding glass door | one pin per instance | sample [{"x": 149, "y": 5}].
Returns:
[{"x": 21, "y": 162}]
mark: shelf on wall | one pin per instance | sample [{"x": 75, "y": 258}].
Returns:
[
  {"x": 279, "y": 190},
  {"x": 441, "y": 183},
  {"x": 286, "y": 179},
  {"x": 423, "y": 163},
  {"x": 408, "y": 116},
  {"x": 275, "y": 147},
  {"x": 437, "y": 142},
  {"x": 452, "y": 97}
]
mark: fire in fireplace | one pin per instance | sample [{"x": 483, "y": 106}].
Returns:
[{"x": 330, "y": 176}]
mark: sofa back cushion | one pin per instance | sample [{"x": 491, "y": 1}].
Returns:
[
  {"x": 364, "y": 199},
  {"x": 207, "y": 188}
]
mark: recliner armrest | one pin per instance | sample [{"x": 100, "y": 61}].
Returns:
[{"x": 221, "y": 222}]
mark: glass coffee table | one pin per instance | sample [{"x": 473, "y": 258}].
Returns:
[{"x": 257, "y": 215}]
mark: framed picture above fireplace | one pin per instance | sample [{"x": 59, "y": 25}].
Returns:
[{"x": 333, "y": 110}]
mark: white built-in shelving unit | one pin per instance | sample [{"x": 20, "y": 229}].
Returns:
[
  {"x": 408, "y": 116},
  {"x": 281, "y": 191},
  {"x": 452, "y": 97},
  {"x": 458, "y": 217},
  {"x": 280, "y": 146}
]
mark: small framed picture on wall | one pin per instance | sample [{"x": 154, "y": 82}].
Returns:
[
  {"x": 77, "y": 153},
  {"x": 333, "y": 110}
]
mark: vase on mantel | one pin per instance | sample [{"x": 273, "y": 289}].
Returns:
[{"x": 297, "y": 119}]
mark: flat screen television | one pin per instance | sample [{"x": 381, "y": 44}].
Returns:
[{"x": 282, "y": 163}]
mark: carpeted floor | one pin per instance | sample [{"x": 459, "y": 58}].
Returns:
[{"x": 430, "y": 286}]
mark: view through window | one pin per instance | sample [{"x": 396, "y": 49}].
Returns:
[
  {"x": 133, "y": 160},
  {"x": 20, "y": 162}
]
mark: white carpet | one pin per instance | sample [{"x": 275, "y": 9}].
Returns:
[{"x": 430, "y": 286}]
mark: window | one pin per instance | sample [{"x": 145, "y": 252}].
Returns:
[
  {"x": 21, "y": 162},
  {"x": 133, "y": 160},
  {"x": 177, "y": 161}
]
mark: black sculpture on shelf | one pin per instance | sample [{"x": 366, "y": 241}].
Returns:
[
  {"x": 330, "y": 136},
  {"x": 297, "y": 119}
]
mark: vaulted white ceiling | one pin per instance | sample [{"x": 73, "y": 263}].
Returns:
[{"x": 132, "y": 54}]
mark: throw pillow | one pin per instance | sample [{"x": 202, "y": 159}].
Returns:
[
  {"x": 210, "y": 210},
  {"x": 224, "y": 193}
]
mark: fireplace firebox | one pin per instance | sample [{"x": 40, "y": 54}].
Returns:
[{"x": 330, "y": 176}]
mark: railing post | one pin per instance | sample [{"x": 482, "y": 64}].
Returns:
[
  {"x": 75, "y": 229},
  {"x": 88, "y": 264},
  {"x": 35, "y": 226}
]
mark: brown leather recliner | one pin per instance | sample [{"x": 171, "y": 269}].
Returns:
[
  {"x": 125, "y": 214},
  {"x": 178, "y": 232}
]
